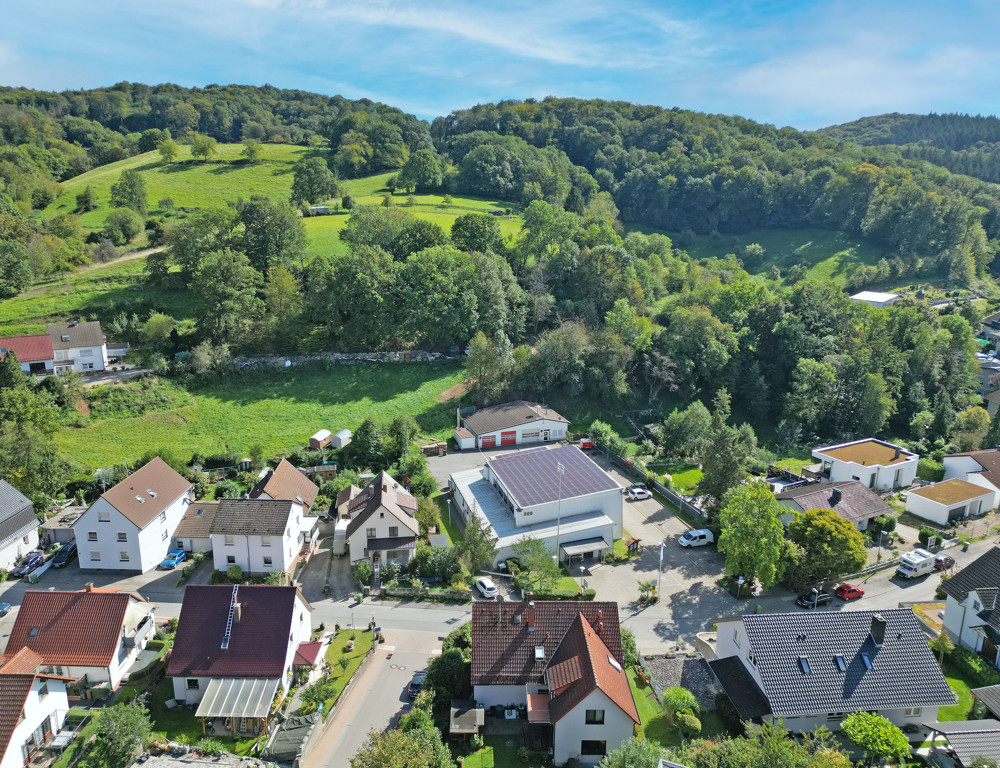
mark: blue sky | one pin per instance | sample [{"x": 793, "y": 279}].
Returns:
[{"x": 804, "y": 64}]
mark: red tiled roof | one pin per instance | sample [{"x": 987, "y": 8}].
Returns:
[
  {"x": 383, "y": 493},
  {"x": 71, "y": 628},
  {"x": 286, "y": 482},
  {"x": 29, "y": 349},
  {"x": 24, "y": 662},
  {"x": 258, "y": 644},
  {"x": 16, "y": 678},
  {"x": 306, "y": 654}
]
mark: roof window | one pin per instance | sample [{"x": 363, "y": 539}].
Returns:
[
  {"x": 151, "y": 492},
  {"x": 804, "y": 663},
  {"x": 140, "y": 499},
  {"x": 539, "y": 653},
  {"x": 33, "y": 632},
  {"x": 614, "y": 663},
  {"x": 841, "y": 665},
  {"x": 64, "y": 337},
  {"x": 867, "y": 660}
]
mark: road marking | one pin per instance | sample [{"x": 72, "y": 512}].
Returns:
[
  {"x": 387, "y": 648},
  {"x": 436, "y": 652}
]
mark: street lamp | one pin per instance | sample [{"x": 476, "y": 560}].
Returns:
[
  {"x": 560, "y": 470},
  {"x": 659, "y": 573},
  {"x": 880, "y": 535}
]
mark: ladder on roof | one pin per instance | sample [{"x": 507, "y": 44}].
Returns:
[{"x": 229, "y": 621}]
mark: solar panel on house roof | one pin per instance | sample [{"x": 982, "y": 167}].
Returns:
[{"x": 532, "y": 476}]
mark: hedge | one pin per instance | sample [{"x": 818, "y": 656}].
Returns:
[
  {"x": 564, "y": 594},
  {"x": 974, "y": 668},
  {"x": 155, "y": 644}
]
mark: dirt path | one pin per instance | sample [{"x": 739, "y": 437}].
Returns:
[
  {"x": 454, "y": 391},
  {"x": 48, "y": 286}
]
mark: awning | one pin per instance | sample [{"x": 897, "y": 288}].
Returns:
[
  {"x": 238, "y": 697},
  {"x": 305, "y": 655},
  {"x": 391, "y": 543},
  {"x": 538, "y": 708},
  {"x": 585, "y": 545}
]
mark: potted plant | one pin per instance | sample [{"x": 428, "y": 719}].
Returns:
[{"x": 524, "y": 753}]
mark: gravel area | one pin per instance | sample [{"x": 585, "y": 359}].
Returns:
[{"x": 693, "y": 674}]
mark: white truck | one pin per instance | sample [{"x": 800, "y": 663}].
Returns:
[{"x": 915, "y": 564}]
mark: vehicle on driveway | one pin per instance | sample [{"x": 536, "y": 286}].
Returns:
[
  {"x": 636, "y": 487},
  {"x": 943, "y": 562},
  {"x": 699, "y": 538},
  {"x": 31, "y": 562},
  {"x": 814, "y": 599},
  {"x": 416, "y": 685},
  {"x": 511, "y": 565},
  {"x": 5, "y": 608},
  {"x": 638, "y": 494},
  {"x": 486, "y": 587},
  {"x": 66, "y": 553},
  {"x": 172, "y": 559},
  {"x": 849, "y": 592}
]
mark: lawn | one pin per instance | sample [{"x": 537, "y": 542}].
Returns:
[
  {"x": 448, "y": 525},
  {"x": 340, "y": 676},
  {"x": 685, "y": 476},
  {"x": 963, "y": 692},
  {"x": 654, "y": 721},
  {"x": 276, "y": 408}
]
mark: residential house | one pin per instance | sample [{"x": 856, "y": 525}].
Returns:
[
  {"x": 971, "y": 609},
  {"x": 555, "y": 494},
  {"x": 78, "y": 346},
  {"x": 18, "y": 525},
  {"x": 950, "y": 500},
  {"x": 510, "y": 424},
  {"x": 383, "y": 525},
  {"x": 875, "y": 298},
  {"x": 33, "y": 706},
  {"x": 970, "y": 743},
  {"x": 128, "y": 528},
  {"x": 92, "y": 635},
  {"x": 562, "y": 662},
  {"x": 194, "y": 531},
  {"x": 989, "y": 373},
  {"x": 344, "y": 499},
  {"x": 813, "y": 669},
  {"x": 234, "y": 650},
  {"x": 991, "y": 329},
  {"x": 980, "y": 468},
  {"x": 286, "y": 482},
  {"x": 261, "y": 535},
  {"x": 852, "y": 500},
  {"x": 876, "y": 463},
  {"x": 34, "y": 353}
]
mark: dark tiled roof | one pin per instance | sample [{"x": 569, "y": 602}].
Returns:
[
  {"x": 252, "y": 517},
  {"x": 346, "y": 495},
  {"x": 981, "y": 573},
  {"x": 286, "y": 482},
  {"x": 856, "y": 502},
  {"x": 258, "y": 644},
  {"x": 17, "y": 515},
  {"x": 903, "y": 670},
  {"x": 383, "y": 493},
  {"x": 71, "y": 628},
  {"x": 86, "y": 334},
  {"x": 990, "y": 696},
  {"x": 197, "y": 521},
  {"x": 742, "y": 689},
  {"x": 503, "y": 645},
  {"x": 971, "y": 738},
  {"x": 16, "y": 678},
  {"x": 992, "y": 320},
  {"x": 132, "y": 495},
  {"x": 509, "y": 415},
  {"x": 392, "y": 542},
  {"x": 28, "y": 349},
  {"x": 532, "y": 476}
]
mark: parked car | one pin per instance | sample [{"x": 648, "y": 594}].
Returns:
[
  {"x": 30, "y": 563},
  {"x": 416, "y": 684},
  {"x": 814, "y": 599},
  {"x": 699, "y": 538},
  {"x": 5, "y": 608},
  {"x": 486, "y": 587},
  {"x": 636, "y": 487},
  {"x": 638, "y": 494},
  {"x": 943, "y": 562},
  {"x": 172, "y": 558},
  {"x": 849, "y": 592},
  {"x": 398, "y": 717},
  {"x": 66, "y": 553}
]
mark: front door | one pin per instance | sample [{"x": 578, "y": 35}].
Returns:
[{"x": 545, "y": 434}]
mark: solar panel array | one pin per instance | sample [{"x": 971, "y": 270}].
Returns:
[{"x": 532, "y": 476}]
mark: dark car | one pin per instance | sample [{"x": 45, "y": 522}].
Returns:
[
  {"x": 416, "y": 684},
  {"x": 5, "y": 608},
  {"x": 943, "y": 562},
  {"x": 31, "y": 562},
  {"x": 66, "y": 553},
  {"x": 814, "y": 599}
]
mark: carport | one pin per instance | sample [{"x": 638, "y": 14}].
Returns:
[{"x": 592, "y": 548}]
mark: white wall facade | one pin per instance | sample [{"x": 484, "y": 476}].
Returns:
[
  {"x": 197, "y": 544},
  {"x": 939, "y": 513},
  {"x": 17, "y": 548},
  {"x": 252, "y": 552},
  {"x": 42, "y": 367},
  {"x": 968, "y": 469},
  {"x": 961, "y": 620},
  {"x": 500, "y": 695},
  {"x": 541, "y": 431},
  {"x": 806, "y": 723},
  {"x": 570, "y": 731},
  {"x": 882, "y": 478},
  {"x": 84, "y": 358},
  {"x": 382, "y": 521},
  {"x": 107, "y": 540},
  {"x": 46, "y": 711}
]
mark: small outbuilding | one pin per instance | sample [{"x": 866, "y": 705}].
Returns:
[
  {"x": 467, "y": 718},
  {"x": 875, "y": 298},
  {"x": 949, "y": 500},
  {"x": 342, "y": 438},
  {"x": 320, "y": 440}
]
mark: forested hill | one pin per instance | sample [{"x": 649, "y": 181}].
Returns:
[{"x": 681, "y": 170}]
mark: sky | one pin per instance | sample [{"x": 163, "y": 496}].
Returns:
[{"x": 804, "y": 64}]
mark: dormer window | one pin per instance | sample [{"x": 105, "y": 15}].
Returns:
[
  {"x": 841, "y": 664},
  {"x": 804, "y": 664},
  {"x": 867, "y": 660}
]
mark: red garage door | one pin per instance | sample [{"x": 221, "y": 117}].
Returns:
[
  {"x": 489, "y": 441},
  {"x": 508, "y": 438}
]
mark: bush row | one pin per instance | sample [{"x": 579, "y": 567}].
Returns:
[{"x": 974, "y": 667}]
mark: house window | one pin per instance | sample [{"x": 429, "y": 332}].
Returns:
[
  {"x": 123, "y": 556},
  {"x": 752, "y": 659},
  {"x": 165, "y": 535},
  {"x": 265, "y": 541},
  {"x": 370, "y": 533},
  {"x": 736, "y": 637},
  {"x": 33, "y": 633},
  {"x": 86, "y": 353},
  {"x": 25, "y": 539},
  {"x": 229, "y": 540},
  {"x": 867, "y": 660},
  {"x": 976, "y": 606},
  {"x": 394, "y": 530},
  {"x": 594, "y": 717},
  {"x": 268, "y": 561},
  {"x": 834, "y": 717},
  {"x": 43, "y": 691},
  {"x": 95, "y": 556},
  {"x": 163, "y": 517},
  {"x": 841, "y": 664},
  {"x": 91, "y": 535},
  {"x": 589, "y": 747},
  {"x": 231, "y": 559},
  {"x": 193, "y": 684},
  {"x": 122, "y": 536},
  {"x": 912, "y": 711},
  {"x": 104, "y": 517}
]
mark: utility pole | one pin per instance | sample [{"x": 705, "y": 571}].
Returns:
[
  {"x": 560, "y": 470},
  {"x": 659, "y": 573}
]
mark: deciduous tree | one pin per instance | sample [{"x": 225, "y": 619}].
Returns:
[
  {"x": 538, "y": 565},
  {"x": 168, "y": 150},
  {"x": 129, "y": 192},
  {"x": 478, "y": 547},
  {"x": 831, "y": 545},
  {"x": 876, "y": 736},
  {"x": 251, "y": 151},
  {"x": 752, "y": 536},
  {"x": 226, "y": 286},
  {"x": 477, "y": 232},
  {"x": 15, "y": 274},
  {"x": 203, "y": 147},
  {"x": 313, "y": 181}
]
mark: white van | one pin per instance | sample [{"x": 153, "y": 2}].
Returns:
[
  {"x": 915, "y": 564},
  {"x": 698, "y": 538}
]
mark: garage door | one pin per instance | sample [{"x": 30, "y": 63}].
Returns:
[
  {"x": 508, "y": 438},
  {"x": 489, "y": 441}
]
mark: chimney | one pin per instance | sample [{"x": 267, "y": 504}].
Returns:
[
  {"x": 238, "y": 612},
  {"x": 531, "y": 616},
  {"x": 878, "y": 629},
  {"x": 600, "y": 627},
  {"x": 600, "y": 614},
  {"x": 896, "y": 454},
  {"x": 835, "y": 495},
  {"x": 88, "y": 587}
]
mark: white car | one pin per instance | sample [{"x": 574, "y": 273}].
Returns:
[
  {"x": 638, "y": 494},
  {"x": 699, "y": 538},
  {"x": 486, "y": 587}
]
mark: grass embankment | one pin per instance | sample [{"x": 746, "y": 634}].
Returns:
[
  {"x": 277, "y": 408},
  {"x": 340, "y": 676},
  {"x": 685, "y": 476}
]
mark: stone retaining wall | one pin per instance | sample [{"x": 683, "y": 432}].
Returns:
[{"x": 343, "y": 358}]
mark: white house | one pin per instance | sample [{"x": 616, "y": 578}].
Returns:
[
  {"x": 563, "y": 663},
  {"x": 875, "y": 463},
  {"x": 93, "y": 635},
  {"x": 555, "y": 494},
  {"x": 34, "y": 708},
  {"x": 129, "y": 527},
  {"x": 812, "y": 669},
  {"x": 980, "y": 468},
  {"x": 875, "y": 298},
  {"x": 261, "y": 535},
  {"x": 949, "y": 500},
  {"x": 971, "y": 612},
  {"x": 235, "y": 648},
  {"x": 383, "y": 525},
  {"x": 285, "y": 481},
  {"x": 509, "y": 424},
  {"x": 34, "y": 353},
  {"x": 18, "y": 525},
  {"x": 852, "y": 500},
  {"x": 194, "y": 532},
  {"x": 78, "y": 346}
]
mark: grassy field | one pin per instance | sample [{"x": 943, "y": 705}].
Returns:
[
  {"x": 278, "y": 409},
  {"x": 685, "y": 476},
  {"x": 655, "y": 725},
  {"x": 827, "y": 254}
]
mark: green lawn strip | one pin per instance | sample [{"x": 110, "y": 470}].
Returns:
[
  {"x": 619, "y": 546},
  {"x": 963, "y": 692},
  {"x": 75, "y": 746},
  {"x": 685, "y": 476},
  {"x": 654, "y": 721},
  {"x": 336, "y": 650},
  {"x": 448, "y": 525}
]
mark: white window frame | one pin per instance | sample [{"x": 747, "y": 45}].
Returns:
[
  {"x": 104, "y": 517},
  {"x": 123, "y": 556},
  {"x": 91, "y": 535},
  {"x": 95, "y": 556},
  {"x": 122, "y": 536}
]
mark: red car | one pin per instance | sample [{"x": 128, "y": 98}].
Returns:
[{"x": 849, "y": 592}]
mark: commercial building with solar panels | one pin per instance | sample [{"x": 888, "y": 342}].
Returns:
[{"x": 550, "y": 493}]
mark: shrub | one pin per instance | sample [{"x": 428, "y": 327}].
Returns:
[
  {"x": 234, "y": 573},
  {"x": 363, "y": 572},
  {"x": 218, "y": 577},
  {"x": 974, "y": 667},
  {"x": 344, "y": 662},
  {"x": 211, "y": 746},
  {"x": 930, "y": 470},
  {"x": 688, "y": 724},
  {"x": 925, "y": 535}
]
